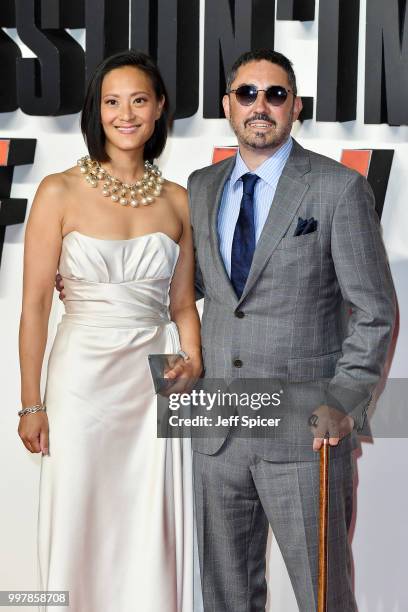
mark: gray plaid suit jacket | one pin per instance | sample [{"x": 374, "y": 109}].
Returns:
[{"x": 300, "y": 290}]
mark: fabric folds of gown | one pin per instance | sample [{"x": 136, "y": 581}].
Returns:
[{"x": 115, "y": 525}]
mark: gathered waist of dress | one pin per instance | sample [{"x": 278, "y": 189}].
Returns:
[
  {"x": 115, "y": 322},
  {"x": 129, "y": 305}
]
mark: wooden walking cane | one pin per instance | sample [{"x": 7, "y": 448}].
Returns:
[{"x": 323, "y": 526}]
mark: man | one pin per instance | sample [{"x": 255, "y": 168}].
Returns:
[{"x": 286, "y": 242}]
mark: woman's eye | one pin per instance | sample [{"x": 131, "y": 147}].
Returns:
[{"x": 139, "y": 101}]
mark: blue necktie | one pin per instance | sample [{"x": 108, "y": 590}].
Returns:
[{"x": 243, "y": 244}]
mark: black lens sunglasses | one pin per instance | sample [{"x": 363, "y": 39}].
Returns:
[{"x": 275, "y": 95}]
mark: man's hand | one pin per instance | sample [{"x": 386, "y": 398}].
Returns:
[
  {"x": 59, "y": 285},
  {"x": 328, "y": 420}
]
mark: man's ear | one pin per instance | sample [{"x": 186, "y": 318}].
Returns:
[
  {"x": 297, "y": 108},
  {"x": 226, "y": 105}
]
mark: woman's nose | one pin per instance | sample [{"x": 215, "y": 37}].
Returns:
[{"x": 126, "y": 112}]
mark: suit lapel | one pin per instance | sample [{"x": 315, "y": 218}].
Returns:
[
  {"x": 214, "y": 196},
  {"x": 289, "y": 194}
]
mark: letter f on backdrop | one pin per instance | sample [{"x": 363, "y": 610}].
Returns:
[{"x": 13, "y": 152}]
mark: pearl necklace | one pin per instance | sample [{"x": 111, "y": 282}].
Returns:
[{"x": 142, "y": 192}]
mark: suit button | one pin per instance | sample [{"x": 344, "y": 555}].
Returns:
[
  {"x": 239, "y": 314},
  {"x": 238, "y": 363}
]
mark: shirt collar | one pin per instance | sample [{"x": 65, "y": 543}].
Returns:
[{"x": 269, "y": 169}]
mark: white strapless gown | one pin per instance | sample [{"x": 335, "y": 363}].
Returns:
[{"x": 116, "y": 524}]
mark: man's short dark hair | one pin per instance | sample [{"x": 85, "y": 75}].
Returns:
[
  {"x": 264, "y": 54},
  {"x": 91, "y": 125}
]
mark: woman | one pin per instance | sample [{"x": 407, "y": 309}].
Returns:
[{"x": 115, "y": 518}]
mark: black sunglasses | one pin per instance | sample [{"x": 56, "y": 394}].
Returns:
[{"x": 247, "y": 94}]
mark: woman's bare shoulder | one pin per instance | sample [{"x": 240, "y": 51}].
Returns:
[
  {"x": 59, "y": 185},
  {"x": 175, "y": 189},
  {"x": 177, "y": 196}
]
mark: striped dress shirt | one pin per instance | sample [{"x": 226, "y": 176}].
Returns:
[{"x": 269, "y": 173}]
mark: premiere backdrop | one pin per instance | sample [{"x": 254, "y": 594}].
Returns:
[{"x": 368, "y": 121}]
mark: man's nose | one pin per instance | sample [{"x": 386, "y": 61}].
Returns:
[{"x": 260, "y": 105}]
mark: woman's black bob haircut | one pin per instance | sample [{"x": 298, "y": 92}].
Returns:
[{"x": 91, "y": 125}]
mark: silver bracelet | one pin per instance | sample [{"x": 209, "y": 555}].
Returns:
[
  {"x": 32, "y": 409},
  {"x": 184, "y": 355}
]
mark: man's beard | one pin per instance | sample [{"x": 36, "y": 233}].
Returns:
[{"x": 263, "y": 140}]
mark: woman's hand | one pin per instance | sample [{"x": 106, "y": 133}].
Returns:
[{"x": 33, "y": 430}]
